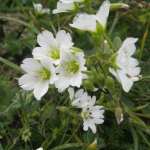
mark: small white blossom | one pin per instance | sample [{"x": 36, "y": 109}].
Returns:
[
  {"x": 128, "y": 71},
  {"x": 40, "y": 148},
  {"x": 92, "y": 115},
  {"x": 69, "y": 69},
  {"x": 38, "y": 8},
  {"x": 65, "y": 6},
  {"x": 50, "y": 46},
  {"x": 94, "y": 23},
  {"x": 38, "y": 77},
  {"x": 79, "y": 99}
]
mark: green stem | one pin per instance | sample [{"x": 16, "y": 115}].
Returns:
[
  {"x": 102, "y": 69},
  {"x": 143, "y": 42},
  {"x": 109, "y": 41},
  {"x": 113, "y": 25}
]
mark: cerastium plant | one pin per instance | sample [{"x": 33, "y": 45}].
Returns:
[{"x": 111, "y": 70}]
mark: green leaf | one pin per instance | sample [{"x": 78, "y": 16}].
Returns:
[
  {"x": 22, "y": 22},
  {"x": 135, "y": 138},
  {"x": 1, "y": 148},
  {"x": 89, "y": 138},
  {"x": 36, "y": 136},
  {"x": 143, "y": 136},
  {"x": 70, "y": 145},
  {"x": 26, "y": 98},
  {"x": 11, "y": 64},
  {"x": 117, "y": 42}
]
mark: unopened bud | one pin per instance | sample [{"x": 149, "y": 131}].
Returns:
[
  {"x": 88, "y": 63},
  {"x": 26, "y": 135},
  {"x": 109, "y": 82},
  {"x": 64, "y": 109},
  {"x": 119, "y": 115},
  {"x": 101, "y": 98},
  {"x": 116, "y": 6},
  {"x": 97, "y": 39},
  {"x": 93, "y": 145},
  {"x": 87, "y": 84},
  {"x": 101, "y": 80}
]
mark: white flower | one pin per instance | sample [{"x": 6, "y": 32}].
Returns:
[
  {"x": 69, "y": 69},
  {"x": 121, "y": 117},
  {"x": 92, "y": 115},
  {"x": 128, "y": 71},
  {"x": 38, "y": 77},
  {"x": 65, "y": 6},
  {"x": 50, "y": 46},
  {"x": 94, "y": 23},
  {"x": 38, "y": 8},
  {"x": 40, "y": 148},
  {"x": 79, "y": 99}
]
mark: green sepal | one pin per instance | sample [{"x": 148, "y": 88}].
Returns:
[
  {"x": 76, "y": 8},
  {"x": 113, "y": 61},
  {"x": 97, "y": 39},
  {"x": 101, "y": 80},
  {"x": 118, "y": 113},
  {"x": 87, "y": 84},
  {"x": 109, "y": 82},
  {"x": 116, "y": 6},
  {"x": 75, "y": 49},
  {"x": 101, "y": 98}
]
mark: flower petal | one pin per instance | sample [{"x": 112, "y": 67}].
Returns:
[
  {"x": 126, "y": 82},
  {"x": 84, "y": 22},
  {"x": 103, "y": 13},
  {"x": 71, "y": 92},
  {"x": 40, "y": 89}
]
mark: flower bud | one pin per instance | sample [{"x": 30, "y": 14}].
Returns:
[
  {"x": 140, "y": 107},
  {"x": 75, "y": 49},
  {"x": 109, "y": 83},
  {"x": 87, "y": 84},
  {"x": 113, "y": 61},
  {"x": 101, "y": 98},
  {"x": 101, "y": 80},
  {"x": 116, "y": 6},
  {"x": 97, "y": 39},
  {"x": 64, "y": 109},
  {"x": 93, "y": 145},
  {"x": 119, "y": 115},
  {"x": 85, "y": 2},
  {"x": 88, "y": 63}
]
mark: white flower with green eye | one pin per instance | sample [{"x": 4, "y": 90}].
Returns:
[
  {"x": 79, "y": 99},
  {"x": 66, "y": 6},
  {"x": 39, "y": 10},
  {"x": 38, "y": 76},
  {"x": 125, "y": 69},
  {"x": 96, "y": 24},
  {"x": 92, "y": 115},
  {"x": 69, "y": 69},
  {"x": 50, "y": 46}
]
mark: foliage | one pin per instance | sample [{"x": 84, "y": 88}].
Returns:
[{"x": 27, "y": 124}]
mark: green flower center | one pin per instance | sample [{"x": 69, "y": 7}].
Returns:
[
  {"x": 54, "y": 52},
  {"x": 72, "y": 67},
  {"x": 43, "y": 74},
  {"x": 85, "y": 115}
]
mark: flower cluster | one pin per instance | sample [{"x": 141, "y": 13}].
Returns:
[
  {"x": 91, "y": 114},
  {"x": 53, "y": 52},
  {"x": 57, "y": 62},
  {"x": 126, "y": 70}
]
